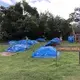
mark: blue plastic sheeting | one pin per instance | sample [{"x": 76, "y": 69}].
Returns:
[
  {"x": 56, "y": 40},
  {"x": 17, "y": 42},
  {"x": 53, "y": 41},
  {"x": 41, "y": 39},
  {"x": 31, "y": 42},
  {"x": 20, "y": 45},
  {"x": 17, "y": 48},
  {"x": 12, "y": 43},
  {"x": 22, "y": 42},
  {"x": 71, "y": 39},
  {"x": 45, "y": 52}
]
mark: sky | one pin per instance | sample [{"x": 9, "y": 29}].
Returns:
[{"x": 57, "y": 7}]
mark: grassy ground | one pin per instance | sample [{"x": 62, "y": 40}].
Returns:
[{"x": 22, "y": 67}]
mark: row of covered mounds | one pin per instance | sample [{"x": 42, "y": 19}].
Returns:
[
  {"x": 21, "y": 45},
  {"x": 49, "y": 50}
]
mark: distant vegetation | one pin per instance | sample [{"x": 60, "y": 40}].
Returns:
[{"x": 15, "y": 25}]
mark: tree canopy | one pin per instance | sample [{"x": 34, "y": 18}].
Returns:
[{"x": 15, "y": 25}]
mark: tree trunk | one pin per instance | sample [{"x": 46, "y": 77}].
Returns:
[{"x": 73, "y": 31}]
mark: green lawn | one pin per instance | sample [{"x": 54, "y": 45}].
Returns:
[{"x": 22, "y": 67}]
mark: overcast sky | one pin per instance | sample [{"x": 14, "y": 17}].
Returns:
[{"x": 57, "y": 7}]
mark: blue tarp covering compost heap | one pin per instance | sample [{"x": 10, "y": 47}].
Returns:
[
  {"x": 12, "y": 43},
  {"x": 71, "y": 39},
  {"x": 41, "y": 39},
  {"x": 55, "y": 41},
  {"x": 21, "y": 45},
  {"x": 31, "y": 42},
  {"x": 45, "y": 52}
]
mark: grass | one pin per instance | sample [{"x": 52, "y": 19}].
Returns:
[{"x": 23, "y": 67}]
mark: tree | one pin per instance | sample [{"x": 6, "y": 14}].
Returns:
[
  {"x": 32, "y": 11},
  {"x": 16, "y": 25},
  {"x": 74, "y": 19},
  {"x": 53, "y": 26}
]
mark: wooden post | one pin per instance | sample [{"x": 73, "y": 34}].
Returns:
[
  {"x": 79, "y": 57},
  {"x": 56, "y": 58}
]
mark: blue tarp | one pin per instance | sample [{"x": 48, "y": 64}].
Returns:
[
  {"x": 20, "y": 45},
  {"x": 31, "y": 42},
  {"x": 45, "y": 52},
  {"x": 22, "y": 42},
  {"x": 12, "y": 43},
  {"x": 53, "y": 41},
  {"x": 18, "y": 48},
  {"x": 41, "y": 39},
  {"x": 71, "y": 39}
]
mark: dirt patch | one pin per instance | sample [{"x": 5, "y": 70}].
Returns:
[{"x": 6, "y": 54}]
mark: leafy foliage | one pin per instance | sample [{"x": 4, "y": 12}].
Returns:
[{"x": 15, "y": 25}]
